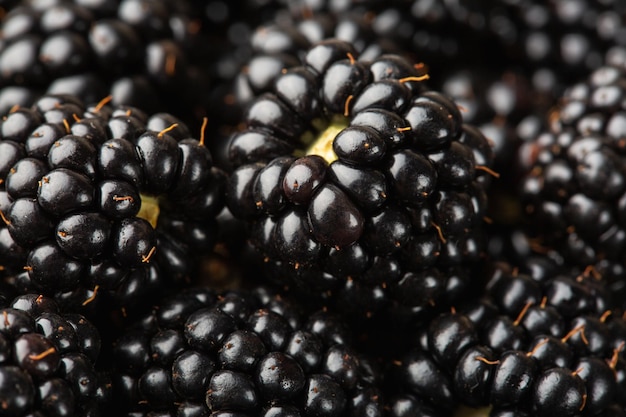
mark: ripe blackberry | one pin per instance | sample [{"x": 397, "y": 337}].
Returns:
[
  {"x": 103, "y": 200},
  {"x": 542, "y": 341},
  {"x": 573, "y": 191},
  {"x": 142, "y": 52},
  {"x": 249, "y": 353},
  {"x": 47, "y": 361},
  {"x": 357, "y": 182}
]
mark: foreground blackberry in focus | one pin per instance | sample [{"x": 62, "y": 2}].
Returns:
[
  {"x": 103, "y": 201},
  {"x": 544, "y": 340},
  {"x": 574, "y": 192},
  {"x": 47, "y": 361},
  {"x": 245, "y": 353},
  {"x": 359, "y": 185}
]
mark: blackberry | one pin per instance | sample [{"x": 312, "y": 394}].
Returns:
[
  {"x": 573, "y": 188},
  {"x": 558, "y": 42},
  {"x": 541, "y": 341},
  {"x": 358, "y": 182},
  {"x": 47, "y": 361},
  {"x": 142, "y": 52},
  {"x": 103, "y": 200},
  {"x": 250, "y": 352}
]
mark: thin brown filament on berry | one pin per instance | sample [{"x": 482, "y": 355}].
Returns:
[
  {"x": 27, "y": 268},
  {"x": 67, "y": 126},
  {"x": 485, "y": 360},
  {"x": 605, "y": 316},
  {"x": 93, "y": 296},
  {"x": 591, "y": 270},
  {"x": 103, "y": 103},
  {"x": 537, "y": 347},
  {"x": 543, "y": 302},
  {"x": 146, "y": 258},
  {"x": 346, "y": 106},
  {"x": 15, "y": 108},
  {"x": 582, "y": 406},
  {"x": 75, "y": 117},
  {"x": 42, "y": 355},
  {"x": 4, "y": 219},
  {"x": 522, "y": 313},
  {"x": 615, "y": 357},
  {"x": 351, "y": 58},
  {"x": 167, "y": 129},
  {"x": 573, "y": 332},
  {"x": 6, "y": 318},
  {"x": 439, "y": 232},
  {"x": 403, "y": 129},
  {"x": 487, "y": 219},
  {"x": 488, "y": 170},
  {"x": 414, "y": 78},
  {"x": 205, "y": 121},
  {"x": 583, "y": 337},
  {"x": 62, "y": 233},
  {"x": 123, "y": 198}
]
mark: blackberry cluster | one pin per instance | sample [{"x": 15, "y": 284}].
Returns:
[
  {"x": 244, "y": 353},
  {"x": 47, "y": 361},
  {"x": 543, "y": 342},
  {"x": 103, "y": 199},
  {"x": 355, "y": 180},
  {"x": 145, "y": 53},
  {"x": 574, "y": 190}
]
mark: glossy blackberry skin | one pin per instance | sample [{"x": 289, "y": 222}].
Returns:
[
  {"x": 142, "y": 52},
  {"x": 103, "y": 202},
  {"x": 252, "y": 352},
  {"x": 573, "y": 189},
  {"x": 383, "y": 225},
  {"x": 527, "y": 346},
  {"x": 48, "y": 361}
]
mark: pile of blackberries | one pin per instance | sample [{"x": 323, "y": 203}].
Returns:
[{"x": 312, "y": 208}]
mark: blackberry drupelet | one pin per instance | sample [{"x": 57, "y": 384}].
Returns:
[
  {"x": 103, "y": 200},
  {"x": 574, "y": 188},
  {"x": 47, "y": 361},
  {"x": 142, "y": 52},
  {"x": 249, "y": 353},
  {"x": 543, "y": 340},
  {"x": 359, "y": 185}
]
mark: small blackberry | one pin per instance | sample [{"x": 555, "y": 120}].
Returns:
[
  {"x": 250, "y": 353},
  {"x": 543, "y": 340},
  {"x": 47, "y": 361},
  {"x": 358, "y": 182},
  {"x": 103, "y": 200},
  {"x": 573, "y": 190}
]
